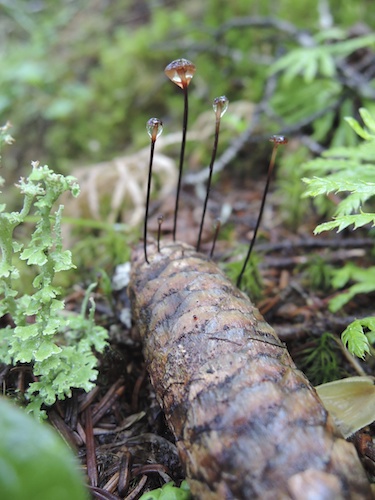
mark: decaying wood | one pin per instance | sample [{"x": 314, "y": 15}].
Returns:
[{"x": 247, "y": 422}]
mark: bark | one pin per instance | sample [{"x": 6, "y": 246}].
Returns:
[{"x": 247, "y": 422}]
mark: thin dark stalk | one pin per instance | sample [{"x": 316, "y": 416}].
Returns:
[
  {"x": 213, "y": 156},
  {"x": 216, "y": 233},
  {"x": 277, "y": 140},
  {"x": 160, "y": 221},
  {"x": 182, "y": 155},
  {"x": 154, "y": 128},
  {"x": 148, "y": 197}
]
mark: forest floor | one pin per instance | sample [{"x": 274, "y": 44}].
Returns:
[{"x": 118, "y": 430}]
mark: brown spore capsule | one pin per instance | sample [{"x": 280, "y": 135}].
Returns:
[{"x": 180, "y": 72}]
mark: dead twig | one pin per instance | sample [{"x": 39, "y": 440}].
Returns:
[
  {"x": 102, "y": 494},
  {"x": 137, "y": 490},
  {"x": 70, "y": 437},
  {"x": 92, "y": 469},
  {"x": 124, "y": 473},
  {"x": 107, "y": 401}
]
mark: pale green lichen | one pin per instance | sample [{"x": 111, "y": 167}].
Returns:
[{"x": 59, "y": 364}]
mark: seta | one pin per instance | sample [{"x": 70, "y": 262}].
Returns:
[{"x": 181, "y": 72}]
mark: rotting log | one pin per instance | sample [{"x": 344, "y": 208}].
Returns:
[{"x": 248, "y": 424}]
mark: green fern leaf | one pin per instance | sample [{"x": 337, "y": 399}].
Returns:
[
  {"x": 354, "y": 338},
  {"x": 365, "y": 283},
  {"x": 308, "y": 61},
  {"x": 349, "y": 170},
  {"x": 346, "y": 47},
  {"x": 368, "y": 120},
  {"x": 358, "y": 129},
  {"x": 327, "y": 65},
  {"x": 340, "y": 223}
]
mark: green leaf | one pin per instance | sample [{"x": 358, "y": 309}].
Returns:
[
  {"x": 327, "y": 65},
  {"x": 341, "y": 223},
  {"x": 349, "y": 170},
  {"x": 344, "y": 48},
  {"x": 35, "y": 463},
  {"x": 368, "y": 322},
  {"x": 358, "y": 129},
  {"x": 169, "y": 492},
  {"x": 355, "y": 340},
  {"x": 55, "y": 307},
  {"x": 365, "y": 283},
  {"x": 311, "y": 70},
  {"x": 341, "y": 276},
  {"x": 5, "y": 355},
  {"x": 368, "y": 120}
]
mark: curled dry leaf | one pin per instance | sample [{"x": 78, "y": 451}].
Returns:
[{"x": 115, "y": 190}]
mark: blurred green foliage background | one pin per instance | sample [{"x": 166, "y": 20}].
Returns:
[{"x": 79, "y": 78}]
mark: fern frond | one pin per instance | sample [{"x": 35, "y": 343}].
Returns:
[
  {"x": 318, "y": 59},
  {"x": 364, "y": 283},
  {"x": 352, "y": 171},
  {"x": 336, "y": 184},
  {"x": 346, "y": 170},
  {"x": 344, "y": 221},
  {"x": 307, "y": 100},
  {"x": 360, "y": 192},
  {"x": 359, "y": 153},
  {"x": 352, "y": 163},
  {"x": 355, "y": 339},
  {"x": 368, "y": 120}
]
